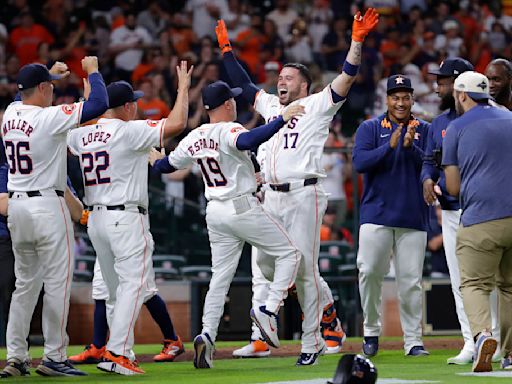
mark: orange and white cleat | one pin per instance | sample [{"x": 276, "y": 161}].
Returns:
[
  {"x": 171, "y": 350},
  {"x": 90, "y": 355},
  {"x": 334, "y": 339},
  {"x": 119, "y": 364},
  {"x": 256, "y": 348}
]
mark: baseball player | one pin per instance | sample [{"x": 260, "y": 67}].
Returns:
[
  {"x": 388, "y": 150},
  {"x": 292, "y": 168},
  {"x": 434, "y": 188},
  {"x": 499, "y": 73},
  {"x": 234, "y": 214},
  {"x": 113, "y": 156},
  {"x": 93, "y": 353},
  {"x": 34, "y": 135}
]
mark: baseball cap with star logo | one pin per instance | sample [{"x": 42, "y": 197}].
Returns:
[
  {"x": 474, "y": 84},
  {"x": 399, "y": 83}
]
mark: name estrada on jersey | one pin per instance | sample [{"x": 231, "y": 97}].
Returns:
[
  {"x": 300, "y": 143},
  {"x": 35, "y": 145},
  {"x": 227, "y": 171},
  {"x": 114, "y": 159}
]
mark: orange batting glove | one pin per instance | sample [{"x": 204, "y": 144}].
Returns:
[
  {"x": 85, "y": 217},
  {"x": 222, "y": 36},
  {"x": 363, "y": 25}
]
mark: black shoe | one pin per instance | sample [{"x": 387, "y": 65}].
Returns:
[
  {"x": 307, "y": 359},
  {"x": 62, "y": 368},
  {"x": 15, "y": 367},
  {"x": 370, "y": 346}
]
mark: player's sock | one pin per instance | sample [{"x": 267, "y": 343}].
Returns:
[
  {"x": 100, "y": 324},
  {"x": 159, "y": 313}
]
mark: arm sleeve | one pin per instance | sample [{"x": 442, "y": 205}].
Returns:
[
  {"x": 4, "y": 170},
  {"x": 71, "y": 187},
  {"x": 239, "y": 77},
  {"x": 429, "y": 170},
  {"x": 450, "y": 145},
  {"x": 98, "y": 99},
  {"x": 142, "y": 135},
  {"x": 163, "y": 166},
  {"x": 253, "y": 138},
  {"x": 365, "y": 155}
]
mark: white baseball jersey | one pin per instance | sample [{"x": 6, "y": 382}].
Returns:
[
  {"x": 35, "y": 144},
  {"x": 114, "y": 159},
  {"x": 227, "y": 171},
  {"x": 295, "y": 152}
]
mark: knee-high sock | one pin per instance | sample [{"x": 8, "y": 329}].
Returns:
[
  {"x": 100, "y": 324},
  {"x": 159, "y": 313}
]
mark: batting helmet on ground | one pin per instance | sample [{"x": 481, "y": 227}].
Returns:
[{"x": 354, "y": 369}]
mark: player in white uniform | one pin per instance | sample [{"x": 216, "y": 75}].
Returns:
[
  {"x": 113, "y": 156},
  {"x": 34, "y": 135},
  {"x": 234, "y": 215},
  {"x": 292, "y": 168}
]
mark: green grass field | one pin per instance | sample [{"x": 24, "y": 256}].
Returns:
[{"x": 390, "y": 364}]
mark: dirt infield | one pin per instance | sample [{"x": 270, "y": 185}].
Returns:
[
  {"x": 294, "y": 350},
  {"x": 348, "y": 347}
]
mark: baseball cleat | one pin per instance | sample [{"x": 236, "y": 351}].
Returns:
[
  {"x": 15, "y": 367},
  {"x": 171, "y": 350},
  {"x": 203, "y": 351},
  {"x": 90, "y": 355},
  {"x": 267, "y": 323},
  {"x": 310, "y": 358},
  {"x": 506, "y": 363},
  {"x": 334, "y": 338},
  {"x": 119, "y": 364},
  {"x": 418, "y": 350},
  {"x": 464, "y": 357},
  {"x": 370, "y": 345},
  {"x": 49, "y": 367},
  {"x": 485, "y": 346},
  {"x": 256, "y": 348}
]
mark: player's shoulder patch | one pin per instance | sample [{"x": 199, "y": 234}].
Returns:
[
  {"x": 236, "y": 129},
  {"x": 152, "y": 123},
  {"x": 68, "y": 108}
]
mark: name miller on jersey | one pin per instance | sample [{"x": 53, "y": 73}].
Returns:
[
  {"x": 95, "y": 137},
  {"x": 202, "y": 143},
  {"x": 19, "y": 125}
]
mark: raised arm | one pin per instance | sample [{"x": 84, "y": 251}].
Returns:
[
  {"x": 236, "y": 73},
  {"x": 360, "y": 28},
  {"x": 97, "y": 102},
  {"x": 177, "y": 120}
]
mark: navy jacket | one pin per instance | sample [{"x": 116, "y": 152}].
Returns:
[{"x": 392, "y": 194}]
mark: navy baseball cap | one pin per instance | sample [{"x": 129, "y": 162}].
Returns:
[
  {"x": 121, "y": 92},
  {"x": 31, "y": 75},
  {"x": 399, "y": 83},
  {"x": 217, "y": 93},
  {"x": 453, "y": 67}
]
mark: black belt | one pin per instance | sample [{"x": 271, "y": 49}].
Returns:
[
  {"x": 285, "y": 187},
  {"x": 36, "y": 193},
  {"x": 120, "y": 207}
]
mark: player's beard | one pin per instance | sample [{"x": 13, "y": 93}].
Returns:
[
  {"x": 447, "y": 102},
  {"x": 458, "y": 108},
  {"x": 501, "y": 96}
]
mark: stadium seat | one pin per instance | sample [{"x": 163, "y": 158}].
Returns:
[{"x": 201, "y": 272}]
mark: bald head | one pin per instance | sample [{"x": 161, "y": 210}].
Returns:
[{"x": 499, "y": 73}]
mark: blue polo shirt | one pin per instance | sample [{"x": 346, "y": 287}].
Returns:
[
  {"x": 4, "y": 170},
  {"x": 480, "y": 144},
  {"x": 393, "y": 194},
  {"x": 430, "y": 171}
]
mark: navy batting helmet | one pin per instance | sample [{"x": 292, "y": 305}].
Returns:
[{"x": 354, "y": 369}]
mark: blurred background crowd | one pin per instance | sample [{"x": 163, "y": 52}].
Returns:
[{"x": 141, "y": 41}]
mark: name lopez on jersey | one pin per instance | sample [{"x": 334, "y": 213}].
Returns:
[
  {"x": 202, "y": 143},
  {"x": 94, "y": 137},
  {"x": 19, "y": 125}
]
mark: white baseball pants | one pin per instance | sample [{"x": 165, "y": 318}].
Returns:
[
  {"x": 301, "y": 211},
  {"x": 43, "y": 245},
  {"x": 376, "y": 244},
  {"x": 450, "y": 224},
  {"x": 124, "y": 247},
  {"x": 228, "y": 231}
]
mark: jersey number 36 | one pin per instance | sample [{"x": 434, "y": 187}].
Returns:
[{"x": 18, "y": 162}]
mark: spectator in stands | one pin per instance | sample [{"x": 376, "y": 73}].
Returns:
[
  {"x": 150, "y": 106},
  {"x": 127, "y": 45},
  {"x": 299, "y": 45},
  {"x": 390, "y": 49},
  {"x": 273, "y": 47},
  {"x": 25, "y": 39},
  {"x": 237, "y": 19},
  {"x": 498, "y": 38},
  {"x": 153, "y": 19},
  {"x": 205, "y": 14},
  {"x": 250, "y": 42},
  {"x": 65, "y": 91},
  {"x": 335, "y": 44},
  {"x": 271, "y": 74},
  {"x": 450, "y": 42},
  {"x": 319, "y": 18},
  {"x": 8, "y": 85},
  {"x": 481, "y": 52},
  {"x": 427, "y": 52},
  {"x": 3, "y": 42},
  {"x": 283, "y": 16}
]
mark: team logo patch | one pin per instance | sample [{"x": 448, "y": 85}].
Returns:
[
  {"x": 236, "y": 129},
  {"x": 68, "y": 108},
  {"x": 152, "y": 123}
]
